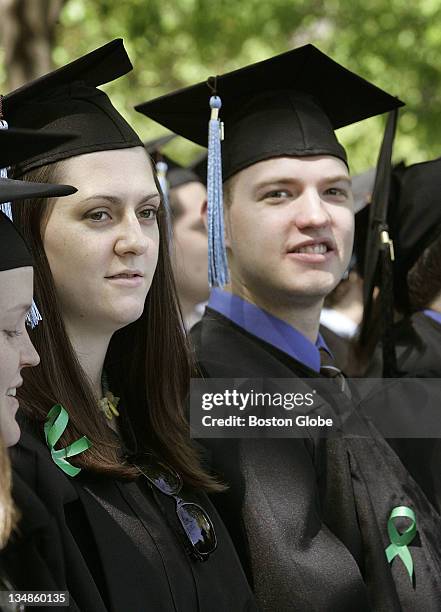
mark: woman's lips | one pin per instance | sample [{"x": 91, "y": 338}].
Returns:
[{"x": 125, "y": 280}]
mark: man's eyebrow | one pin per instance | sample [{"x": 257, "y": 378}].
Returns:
[
  {"x": 283, "y": 179},
  {"x": 338, "y": 178},
  {"x": 116, "y": 200},
  {"x": 276, "y": 181}
]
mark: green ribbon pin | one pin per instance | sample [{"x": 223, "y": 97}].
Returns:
[
  {"x": 399, "y": 541},
  {"x": 56, "y": 422}
]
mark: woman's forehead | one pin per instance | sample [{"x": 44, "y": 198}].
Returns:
[
  {"x": 16, "y": 290},
  {"x": 117, "y": 172}
]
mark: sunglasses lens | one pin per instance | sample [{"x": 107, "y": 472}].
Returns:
[
  {"x": 198, "y": 528},
  {"x": 162, "y": 476}
]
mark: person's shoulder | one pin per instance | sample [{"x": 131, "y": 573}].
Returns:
[
  {"x": 223, "y": 349},
  {"x": 34, "y": 468},
  {"x": 212, "y": 326},
  {"x": 425, "y": 325},
  {"x": 418, "y": 342},
  {"x": 219, "y": 345}
]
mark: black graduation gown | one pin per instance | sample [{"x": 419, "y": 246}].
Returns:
[
  {"x": 120, "y": 547},
  {"x": 33, "y": 559},
  {"x": 418, "y": 346},
  {"x": 309, "y": 516},
  {"x": 418, "y": 342}
]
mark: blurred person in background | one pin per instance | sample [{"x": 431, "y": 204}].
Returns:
[
  {"x": 414, "y": 220},
  {"x": 187, "y": 194}
]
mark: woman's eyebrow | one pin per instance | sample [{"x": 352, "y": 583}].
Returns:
[{"x": 116, "y": 200}]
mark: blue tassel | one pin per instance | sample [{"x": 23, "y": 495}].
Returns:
[
  {"x": 33, "y": 317},
  {"x": 217, "y": 256},
  {"x": 161, "y": 170}
]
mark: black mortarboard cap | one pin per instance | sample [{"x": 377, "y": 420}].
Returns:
[
  {"x": 289, "y": 104},
  {"x": 67, "y": 99},
  {"x": 414, "y": 218},
  {"x": 13, "y": 250},
  {"x": 12, "y": 189},
  {"x": 16, "y": 145}
]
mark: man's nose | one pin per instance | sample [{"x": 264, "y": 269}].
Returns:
[{"x": 311, "y": 210}]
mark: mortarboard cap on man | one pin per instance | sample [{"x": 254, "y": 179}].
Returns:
[{"x": 288, "y": 105}]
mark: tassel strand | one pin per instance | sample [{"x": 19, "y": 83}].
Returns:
[
  {"x": 161, "y": 170},
  {"x": 217, "y": 257}
]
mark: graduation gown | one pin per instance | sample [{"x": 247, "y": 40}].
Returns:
[
  {"x": 418, "y": 342},
  {"x": 309, "y": 516},
  {"x": 121, "y": 545},
  {"x": 418, "y": 347},
  {"x": 33, "y": 558}
]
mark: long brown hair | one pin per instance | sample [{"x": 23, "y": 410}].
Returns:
[
  {"x": 8, "y": 513},
  {"x": 148, "y": 364}
]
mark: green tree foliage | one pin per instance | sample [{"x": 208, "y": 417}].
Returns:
[{"x": 394, "y": 43}]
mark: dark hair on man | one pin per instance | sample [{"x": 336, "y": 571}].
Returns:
[
  {"x": 147, "y": 365},
  {"x": 424, "y": 278}
]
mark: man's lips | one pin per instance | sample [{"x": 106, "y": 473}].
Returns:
[{"x": 313, "y": 250}]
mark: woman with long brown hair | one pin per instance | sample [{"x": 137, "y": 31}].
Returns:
[{"x": 106, "y": 443}]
